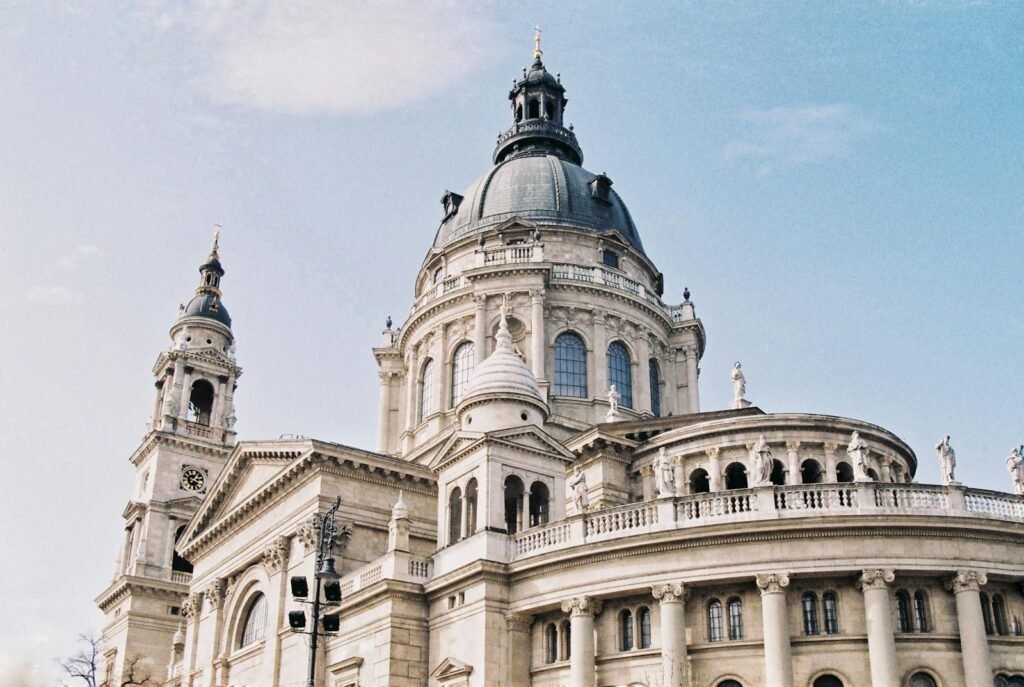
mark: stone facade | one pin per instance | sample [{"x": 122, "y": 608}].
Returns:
[{"x": 468, "y": 559}]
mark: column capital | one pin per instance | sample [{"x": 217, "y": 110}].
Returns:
[
  {"x": 647, "y": 471},
  {"x": 712, "y": 452},
  {"x": 214, "y": 593},
  {"x": 518, "y": 622},
  {"x": 480, "y": 300},
  {"x": 678, "y": 460},
  {"x": 772, "y": 583},
  {"x": 275, "y": 556},
  {"x": 582, "y": 606},
  {"x": 792, "y": 445},
  {"x": 878, "y": 578},
  {"x": 830, "y": 447},
  {"x": 537, "y": 295},
  {"x": 967, "y": 581},
  {"x": 670, "y": 593},
  {"x": 191, "y": 607}
]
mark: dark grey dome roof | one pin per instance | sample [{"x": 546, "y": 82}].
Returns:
[
  {"x": 546, "y": 189},
  {"x": 209, "y": 306}
]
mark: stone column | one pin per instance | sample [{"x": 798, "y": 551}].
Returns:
[
  {"x": 793, "y": 462},
  {"x": 714, "y": 470},
  {"x": 642, "y": 374},
  {"x": 966, "y": 585},
  {"x": 692, "y": 372},
  {"x": 518, "y": 648},
  {"x": 679, "y": 472},
  {"x": 778, "y": 659},
  {"x": 186, "y": 393},
  {"x": 537, "y": 332},
  {"x": 600, "y": 361},
  {"x": 673, "y": 633},
  {"x": 214, "y": 594},
  {"x": 878, "y": 613},
  {"x": 191, "y": 608},
  {"x": 275, "y": 562},
  {"x": 884, "y": 470},
  {"x": 410, "y": 383},
  {"x": 480, "y": 330},
  {"x": 384, "y": 411},
  {"x": 581, "y": 610},
  {"x": 830, "y": 463},
  {"x": 647, "y": 474}
]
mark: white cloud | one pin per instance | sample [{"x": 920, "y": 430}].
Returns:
[
  {"x": 52, "y": 295},
  {"x": 791, "y": 136},
  {"x": 81, "y": 254},
  {"x": 333, "y": 56}
]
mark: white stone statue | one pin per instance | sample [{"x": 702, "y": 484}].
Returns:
[
  {"x": 762, "y": 462},
  {"x": 170, "y": 407},
  {"x": 613, "y": 404},
  {"x": 664, "y": 474},
  {"x": 578, "y": 484},
  {"x": 858, "y": 451},
  {"x": 947, "y": 460},
  {"x": 1015, "y": 464},
  {"x": 739, "y": 388}
]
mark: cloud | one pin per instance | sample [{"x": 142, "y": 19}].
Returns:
[
  {"x": 52, "y": 295},
  {"x": 333, "y": 56},
  {"x": 82, "y": 253},
  {"x": 793, "y": 136}
]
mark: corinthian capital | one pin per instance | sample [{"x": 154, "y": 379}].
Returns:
[
  {"x": 772, "y": 583},
  {"x": 966, "y": 581},
  {"x": 214, "y": 593},
  {"x": 191, "y": 607},
  {"x": 275, "y": 556},
  {"x": 582, "y": 605},
  {"x": 877, "y": 578},
  {"x": 668, "y": 593},
  {"x": 518, "y": 622}
]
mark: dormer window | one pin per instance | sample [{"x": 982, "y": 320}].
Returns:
[
  {"x": 600, "y": 189},
  {"x": 450, "y": 202},
  {"x": 610, "y": 258}
]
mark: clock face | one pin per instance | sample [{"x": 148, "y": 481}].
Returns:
[{"x": 192, "y": 479}]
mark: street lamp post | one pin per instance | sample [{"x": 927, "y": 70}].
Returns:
[{"x": 326, "y": 580}]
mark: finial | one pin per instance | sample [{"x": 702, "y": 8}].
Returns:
[
  {"x": 537, "y": 52},
  {"x": 399, "y": 510},
  {"x": 216, "y": 240},
  {"x": 503, "y": 338},
  {"x": 686, "y": 293}
]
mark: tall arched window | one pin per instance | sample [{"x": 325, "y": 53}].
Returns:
[
  {"x": 643, "y": 617},
  {"x": 809, "y": 605},
  {"x": 655, "y": 381},
  {"x": 922, "y": 680},
  {"x": 999, "y": 615},
  {"x": 716, "y": 630},
  {"x": 514, "y": 491},
  {"x": 550, "y": 643},
  {"x": 426, "y": 389},
  {"x": 903, "y": 611},
  {"x": 200, "y": 402},
  {"x": 620, "y": 372},
  {"x": 778, "y": 477},
  {"x": 570, "y": 366},
  {"x": 736, "y": 476},
  {"x": 735, "y": 618},
  {"x": 921, "y": 612},
  {"x": 626, "y": 630},
  {"x": 699, "y": 482},
  {"x": 810, "y": 472},
  {"x": 986, "y": 614},
  {"x": 455, "y": 515},
  {"x": 255, "y": 624},
  {"x": 540, "y": 500},
  {"x": 178, "y": 563},
  {"x": 462, "y": 368},
  {"x": 844, "y": 472},
  {"x": 830, "y": 605},
  {"x": 471, "y": 499},
  {"x": 566, "y": 637}
]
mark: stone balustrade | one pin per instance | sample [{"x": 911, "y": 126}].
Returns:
[
  {"x": 441, "y": 288},
  {"x": 510, "y": 254}
]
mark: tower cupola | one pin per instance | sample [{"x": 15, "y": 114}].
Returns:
[
  {"x": 538, "y": 107},
  {"x": 207, "y": 301}
]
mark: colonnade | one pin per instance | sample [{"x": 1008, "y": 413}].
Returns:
[{"x": 778, "y": 663}]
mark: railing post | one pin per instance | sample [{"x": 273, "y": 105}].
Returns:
[
  {"x": 765, "y": 501},
  {"x": 666, "y": 509},
  {"x": 956, "y": 498},
  {"x": 578, "y": 530},
  {"x": 866, "y": 497}
]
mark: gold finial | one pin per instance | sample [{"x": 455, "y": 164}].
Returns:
[{"x": 537, "y": 52}]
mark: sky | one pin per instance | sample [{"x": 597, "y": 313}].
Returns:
[{"x": 839, "y": 185}]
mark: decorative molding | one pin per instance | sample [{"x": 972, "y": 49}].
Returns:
[
  {"x": 671, "y": 593},
  {"x": 792, "y": 445},
  {"x": 191, "y": 607},
  {"x": 878, "y": 578},
  {"x": 275, "y": 556},
  {"x": 772, "y": 583},
  {"x": 967, "y": 581},
  {"x": 582, "y": 606},
  {"x": 215, "y": 593},
  {"x": 518, "y": 622}
]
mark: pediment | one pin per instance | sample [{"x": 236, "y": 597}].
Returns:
[
  {"x": 516, "y": 223},
  {"x": 615, "y": 236},
  {"x": 456, "y": 445},
  {"x": 257, "y": 474},
  {"x": 451, "y": 668},
  {"x": 530, "y": 439}
]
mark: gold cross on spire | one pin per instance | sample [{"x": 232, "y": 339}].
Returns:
[{"x": 537, "y": 52}]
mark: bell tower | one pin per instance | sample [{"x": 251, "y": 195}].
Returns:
[{"x": 191, "y": 434}]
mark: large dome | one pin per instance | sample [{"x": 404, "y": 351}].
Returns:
[{"x": 546, "y": 189}]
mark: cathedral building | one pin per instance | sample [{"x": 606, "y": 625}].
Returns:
[{"x": 548, "y": 504}]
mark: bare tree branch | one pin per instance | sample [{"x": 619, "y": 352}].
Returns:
[{"x": 82, "y": 666}]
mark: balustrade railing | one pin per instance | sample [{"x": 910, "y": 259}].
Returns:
[
  {"x": 198, "y": 430},
  {"x": 439, "y": 289},
  {"x": 512, "y": 254},
  {"x": 635, "y": 516},
  {"x": 909, "y": 497},
  {"x": 179, "y": 577},
  {"x": 994, "y": 504},
  {"x": 540, "y": 539},
  {"x": 820, "y": 497},
  {"x": 713, "y": 506},
  {"x": 598, "y": 275}
]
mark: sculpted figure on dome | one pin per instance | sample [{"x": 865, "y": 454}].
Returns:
[
  {"x": 578, "y": 484},
  {"x": 947, "y": 460},
  {"x": 761, "y": 461},
  {"x": 739, "y": 387},
  {"x": 858, "y": 451},
  {"x": 664, "y": 474},
  {"x": 1015, "y": 464}
]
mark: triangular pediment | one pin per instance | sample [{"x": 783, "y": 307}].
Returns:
[
  {"x": 531, "y": 439},
  {"x": 456, "y": 446},
  {"x": 515, "y": 224},
  {"x": 451, "y": 668},
  {"x": 257, "y": 474}
]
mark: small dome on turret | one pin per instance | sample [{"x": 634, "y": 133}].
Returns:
[{"x": 207, "y": 301}]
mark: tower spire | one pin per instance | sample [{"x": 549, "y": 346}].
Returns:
[{"x": 537, "y": 52}]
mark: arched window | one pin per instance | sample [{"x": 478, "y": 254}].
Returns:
[
  {"x": 626, "y": 630},
  {"x": 810, "y": 472},
  {"x": 550, "y": 643},
  {"x": 716, "y": 631},
  {"x": 844, "y": 472},
  {"x": 735, "y": 618},
  {"x": 643, "y": 617},
  {"x": 570, "y": 366},
  {"x": 462, "y": 368},
  {"x": 921, "y": 612},
  {"x": 699, "y": 483},
  {"x": 828, "y": 681},
  {"x": 255, "y": 624},
  {"x": 922, "y": 680},
  {"x": 736, "y": 476},
  {"x": 533, "y": 109},
  {"x": 1004, "y": 680},
  {"x": 200, "y": 402},
  {"x": 778, "y": 473},
  {"x": 178, "y": 563},
  {"x": 655, "y": 382},
  {"x": 729, "y": 683},
  {"x": 514, "y": 491},
  {"x": 519, "y": 113},
  {"x": 809, "y": 604},
  {"x": 999, "y": 615},
  {"x": 471, "y": 499},
  {"x": 620, "y": 372},
  {"x": 566, "y": 637},
  {"x": 873, "y": 475},
  {"x": 454, "y": 515},
  {"x": 830, "y": 605},
  {"x": 540, "y": 500},
  {"x": 986, "y": 614},
  {"x": 903, "y": 611},
  {"x": 426, "y": 389}
]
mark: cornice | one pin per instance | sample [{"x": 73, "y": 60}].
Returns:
[
  {"x": 157, "y": 437},
  {"x": 128, "y": 584}
]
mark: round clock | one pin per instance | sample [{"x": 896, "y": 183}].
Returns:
[{"x": 192, "y": 479}]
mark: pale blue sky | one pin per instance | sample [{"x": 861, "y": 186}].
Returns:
[{"x": 839, "y": 184}]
